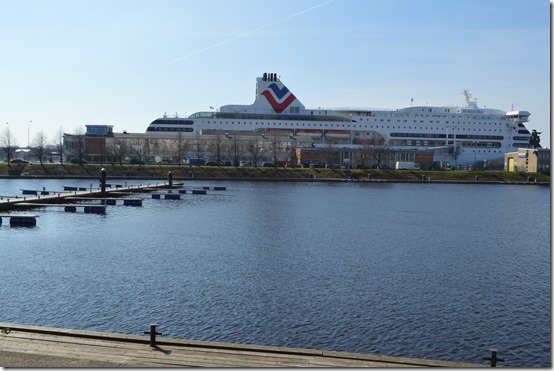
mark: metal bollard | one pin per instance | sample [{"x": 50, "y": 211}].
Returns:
[
  {"x": 153, "y": 334},
  {"x": 493, "y": 358},
  {"x": 103, "y": 181}
]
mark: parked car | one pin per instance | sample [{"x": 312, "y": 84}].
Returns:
[
  {"x": 211, "y": 163},
  {"x": 19, "y": 161},
  {"x": 226, "y": 163},
  {"x": 268, "y": 164},
  {"x": 196, "y": 161},
  {"x": 78, "y": 161},
  {"x": 245, "y": 163},
  {"x": 382, "y": 167},
  {"x": 312, "y": 164}
]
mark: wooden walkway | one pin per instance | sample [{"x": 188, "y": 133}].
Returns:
[
  {"x": 30, "y": 201},
  {"x": 32, "y": 346}
]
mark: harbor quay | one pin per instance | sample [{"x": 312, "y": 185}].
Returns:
[
  {"x": 34, "y": 346},
  {"x": 38, "y": 198}
]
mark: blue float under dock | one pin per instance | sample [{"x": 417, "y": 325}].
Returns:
[
  {"x": 132, "y": 202},
  {"x": 71, "y": 188},
  {"x": 34, "y": 192},
  {"x": 20, "y": 220},
  {"x": 95, "y": 209}
]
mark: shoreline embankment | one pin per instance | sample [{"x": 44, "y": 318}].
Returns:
[{"x": 229, "y": 173}]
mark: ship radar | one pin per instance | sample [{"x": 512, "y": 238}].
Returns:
[{"x": 469, "y": 102}]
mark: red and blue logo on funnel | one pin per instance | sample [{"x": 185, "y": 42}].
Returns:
[{"x": 279, "y": 99}]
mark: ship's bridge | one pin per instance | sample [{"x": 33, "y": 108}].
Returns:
[{"x": 518, "y": 116}]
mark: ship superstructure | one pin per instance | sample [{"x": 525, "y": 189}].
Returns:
[{"x": 461, "y": 135}]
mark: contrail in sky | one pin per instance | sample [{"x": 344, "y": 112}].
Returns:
[{"x": 248, "y": 33}]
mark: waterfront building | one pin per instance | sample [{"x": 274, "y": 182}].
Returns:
[{"x": 526, "y": 160}]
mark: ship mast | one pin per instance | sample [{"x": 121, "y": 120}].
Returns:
[{"x": 469, "y": 102}]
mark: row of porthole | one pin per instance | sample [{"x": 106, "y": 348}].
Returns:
[
  {"x": 346, "y": 126},
  {"x": 447, "y": 122}
]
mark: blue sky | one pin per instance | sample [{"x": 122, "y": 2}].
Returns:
[{"x": 67, "y": 63}]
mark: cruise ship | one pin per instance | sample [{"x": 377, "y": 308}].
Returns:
[{"x": 461, "y": 135}]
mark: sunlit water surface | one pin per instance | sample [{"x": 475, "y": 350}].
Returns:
[{"x": 414, "y": 270}]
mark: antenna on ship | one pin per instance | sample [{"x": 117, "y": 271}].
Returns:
[{"x": 469, "y": 103}]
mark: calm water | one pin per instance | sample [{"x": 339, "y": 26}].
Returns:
[{"x": 416, "y": 270}]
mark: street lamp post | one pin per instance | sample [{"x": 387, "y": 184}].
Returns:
[
  {"x": 28, "y": 133},
  {"x": 475, "y": 154}
]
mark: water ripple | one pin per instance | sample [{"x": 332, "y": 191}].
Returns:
[{"x": 395, "y": 270}]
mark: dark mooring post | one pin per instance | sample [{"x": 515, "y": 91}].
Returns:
[
  {"x": 103, "y": 181},
  {"x": 493, "y": 358},
  {"x": 170, "y": 179},
  {"x": 153, "y": 334}
]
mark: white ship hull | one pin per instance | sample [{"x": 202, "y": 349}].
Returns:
[{"x": 461, "y": 135}]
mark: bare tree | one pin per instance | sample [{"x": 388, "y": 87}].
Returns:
[
  {"x": 367, "y": 152},
  {"x": 327, "y": 151},
  {"x": 150, "y": 146},
  {"x": 118, "y": 149},
  {"x": 59, "y": 144},
  {"x": 179, "y": 147},
  {"x": 198, "y": 145},
  {"x": 216, "y": 146},
  {"x": 274, "y": 146},
  {"x": 255, "y": 150},
  {"x": 79, "y": 143},
  {"x": 8, "y": 143},
  {"x": 39, "y": 146},
  {"x": 138, "y": 149},
  {"x": 235, "y": 149},
  {"x": 377, "y": 150}
]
